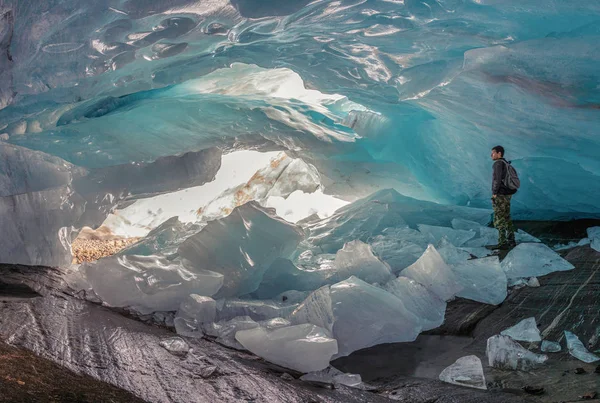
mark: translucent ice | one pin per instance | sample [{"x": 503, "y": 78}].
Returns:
[
  {"x": 399, "y": 247},
  {"x": 505, "y": 353},
  {"x": 359, "y": 314},
  {"x": 466, "y": 371},
  {"x": 175, "y": 345},
  {"x": 525, "y": 330},
  {"x": 482, "y": 280},
  {"x": 200, "y": 308},
  {"x": 386, "y": 208},
  {"x": 227, "y": 330},
  {"x": 147, "y": 283},
  {"x": 450, "y": 253},
  {"x": 36, "y": 226},
  {"x": 522, "y": 236},
  {"x": 550, "y": 346},
  {"x": 594, "y": 236},
  {"x": 456, "y": 237},
  {"x": 533, "y": 259},
  {"x": 434, "y": 274},
  {"x": 256, "y": 309},
  {"x": 304, "y": 347},
  {"x": 333, "y": 376},
  {"x": 283, "y": 275},
  {"x": 242, "y": 246},
  {"x": 578, "y": 350},
  {"x": 425, "y": 305},
  {"x": 357, "y": 259}
]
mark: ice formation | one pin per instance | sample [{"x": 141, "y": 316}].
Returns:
[
  {"x": 525, "y": 330},
  {"x": 466, "y": 371},
  {"x": 356, "y": 259},
  {"x": 148, "y": 283},
  {"x": 359, "y": 315},
  {"x": 432, "y": 272},
  {"x": 550, "y": 346},
  {"x": 175, "y": 345},
  {"x": 533, "y": 259},
  {"x": 594, "y": 237},
  {"x": 304, "y": 347},
  {"x": 241, "y": 246},
  {"x": 505, "y": 353},
  {"x": 333, "y": 376},
  {"x": 578, "y": 350},
  {"x": 482, "y": 280}
]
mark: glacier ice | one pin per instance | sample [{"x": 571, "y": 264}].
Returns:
[
  {"x": 356, "y": 259},
  {"x": 387, "y": 208},
  {"x": 578, "y": 350},
  {"x": 258, "y": 310},
  {"x": 304, "y": 347},
  {"x": 550, "y": 346},
  {"x": 522, "y": 236},
  {"x": 505, "y": 353},
  {"x": 533, "y": 259},
  {"x": 434, "y": 274},
  {"x": 37, "y": 226},
  {"x": 241, "y": 246},
  {"x": 147, "y": 283},
  {"x": 200, "y": 308},
  {"x": 456, "y": 237},
  {"x": 284, "y": 275},
  {"x": 525, "y": 330},
  {"x": 359, "y": 315},
  {"x": 594, "y": 236},
  {"x": 425, "y": 305},
  {"x": 227, "y": 330},
  {"x": 333, "y": 376},
  {"x": 175, "y": 345},
  {"x": 399, "y": 247},
  {"x": 483, "y": 280},
  {"x": 466, "y": 371}
]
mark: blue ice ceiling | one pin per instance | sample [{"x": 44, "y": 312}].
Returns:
[{"x": 407, "y": 94}]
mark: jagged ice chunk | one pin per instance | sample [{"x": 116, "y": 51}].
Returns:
[
  {"x": 505, "y": 353},
  {"x": 525, "y": 330},
  {"x": 466, "y": 371}
]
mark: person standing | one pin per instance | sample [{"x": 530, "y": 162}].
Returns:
[{"x": 505, "y": 184}]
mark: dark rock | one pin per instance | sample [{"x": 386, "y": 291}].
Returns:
[
  {"x": 533, "y": 390},
  {"x": 580, "y": 371}
]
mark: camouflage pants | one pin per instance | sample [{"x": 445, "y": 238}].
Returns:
[{"x": 502, "y": 220}]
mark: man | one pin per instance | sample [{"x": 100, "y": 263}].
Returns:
[{"x": 501, "y": 196}]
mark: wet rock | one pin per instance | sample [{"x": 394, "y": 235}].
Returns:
[{"x": 533, "y": 390}]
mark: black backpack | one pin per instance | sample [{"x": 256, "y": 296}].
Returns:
[{"x": 511, "y": 179}]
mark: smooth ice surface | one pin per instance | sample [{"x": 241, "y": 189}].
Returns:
[
  {"x": 434, "y": 274},
  {"x": 525, "y": 330},
  {"x": 200, "y": 308},
  {"x": 283, "y": 275},
  {"x": 359, "y": 314},
  {"x": 333, "y": 376},
  {"x": 505, "y": 353},
  {"x": 594, "y": 236},
  {"x": 483, "y": 280},
  {"x": 226, "y": 330},
  {"x": 425, "y": 305},
  {"x": 578, "y": 350},
  {"x": 522, "y": 236},
  {"x": 304, "y": 347},
  {"x": 550, "y": 346},
  {"x": 147, "y": 283},
  {"x": 456, "y": 237},
  {"x": 258, "y": 310},
  {"x": 241, "y": 246},
  {"x": 466, "y": 371},
  {"x": 356, "y": 259},
  {"x": 533, "y": 259}
]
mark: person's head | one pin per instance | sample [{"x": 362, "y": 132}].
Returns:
[{"x": 497, "y": 153}]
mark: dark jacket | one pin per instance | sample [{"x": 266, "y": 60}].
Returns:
[{"x": 498, "y": 187}]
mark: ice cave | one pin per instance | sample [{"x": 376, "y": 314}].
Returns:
[{"x": 291, "y": 201}]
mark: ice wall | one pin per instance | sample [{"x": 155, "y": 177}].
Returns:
[{"x": 406, "y": 95}]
